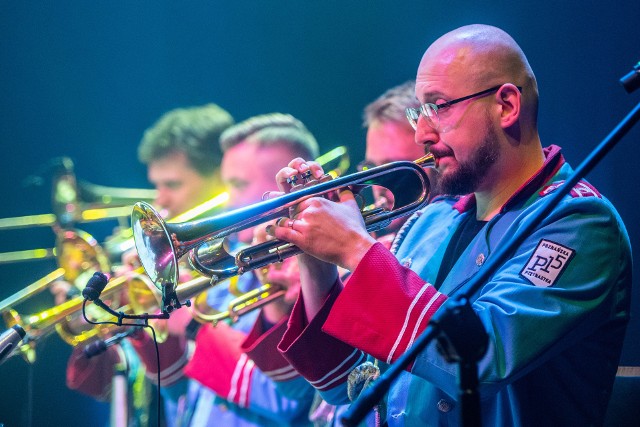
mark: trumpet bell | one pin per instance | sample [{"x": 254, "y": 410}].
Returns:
[{"x": 154, "y": 245}]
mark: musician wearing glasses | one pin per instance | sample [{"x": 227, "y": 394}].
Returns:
[
  {"x": 389, "y": 138},
  {"x": 182, "y": 153},
  {"x": 555, "y": 312}
]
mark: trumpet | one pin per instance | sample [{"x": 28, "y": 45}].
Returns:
[
  {"x": 160, "y": 245},
  {"x": 239, "y": 306},
  {"x": 73, "y": 202}
]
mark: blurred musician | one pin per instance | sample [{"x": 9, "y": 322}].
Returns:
[
  {"x": 182, "y": 154},
  {"x": 232, "y": 383},
  {"x": 389, "y": 138}
]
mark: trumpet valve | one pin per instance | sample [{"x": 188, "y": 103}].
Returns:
[
  {"x": 304, "y": 179},
  {"x": 307, "y": 181}
]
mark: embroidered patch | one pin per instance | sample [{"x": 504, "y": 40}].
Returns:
[
  {"x": 581, "y": 189},
  {"x": 547, "y": 263}
]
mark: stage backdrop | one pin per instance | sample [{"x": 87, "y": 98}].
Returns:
[{"x": 85, "y": 79}]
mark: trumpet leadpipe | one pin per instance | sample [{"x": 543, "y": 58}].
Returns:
[{"x": 160, "y": 245}]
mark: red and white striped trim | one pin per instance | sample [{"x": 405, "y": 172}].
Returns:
[
  {"x": 171, "y": 374},
  {"x": 282, "y": 374},
  {"x": 405, "y": 325},
  {"x": 339, "y": 372},
  {"x": 241, "y": 381}
]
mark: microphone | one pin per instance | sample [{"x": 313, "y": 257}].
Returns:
[
  {"x": 95, "y": 286},
  {"x": 631, "y": 80},
  {"x": 9, "y": 340},
  {"x": 100, "y": 346}
]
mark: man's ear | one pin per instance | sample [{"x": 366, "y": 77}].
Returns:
[{"x": 509, "y": 98}]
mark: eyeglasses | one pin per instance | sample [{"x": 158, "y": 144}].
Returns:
[
  {"x": 430, "y": 111},
  {"x": 365, "y": 165}
]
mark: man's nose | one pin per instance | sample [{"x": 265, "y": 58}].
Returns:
[
  {"x": 425, "y": 134},
  {"x": 162, "y": 198}
]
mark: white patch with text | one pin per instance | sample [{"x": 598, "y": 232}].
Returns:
[{"x": 547, "y": 263}]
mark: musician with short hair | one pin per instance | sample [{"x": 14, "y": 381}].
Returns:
[
  {"x": 182, "y": 153},
  {"x": 237, "y": 376},
  {"x": 389, "y": 138}
]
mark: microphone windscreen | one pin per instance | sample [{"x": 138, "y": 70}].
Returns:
[
  {"x": 95, "y": 286},
  {"x": 94, "y": 349}
]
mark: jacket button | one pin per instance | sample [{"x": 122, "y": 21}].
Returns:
[
  {"x": 444, "y": 406},
  {"x": 480, "y": 260},
  {"x": 407, "y": 262}
]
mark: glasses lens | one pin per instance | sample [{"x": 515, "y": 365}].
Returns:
[
  {"x": 365, "y": 165},
  {"x": 412, "y": 115},
  {"x": 430, "y": 112}
]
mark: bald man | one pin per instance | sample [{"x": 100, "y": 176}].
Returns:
[{"x": 555, "y": 312}]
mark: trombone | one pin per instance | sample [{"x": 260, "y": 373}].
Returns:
[
  {"x": 73, "y": 202},
  {"x": 79, "y": 256},
  {"x": 77, "y": 252},
  {"x": 79, "y": 201},
  {"x": 141, "y": 295},
  {"x": 160, "y": 245}
]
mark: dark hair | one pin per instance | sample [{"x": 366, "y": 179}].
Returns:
[
  {"x": 194, "y": 131},
  {"x": 272, "y": 129}
]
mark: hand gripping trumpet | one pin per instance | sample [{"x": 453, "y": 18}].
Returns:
[{"x": 160, "y": 245}]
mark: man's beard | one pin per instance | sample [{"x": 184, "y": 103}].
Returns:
[{"x": 469, "y": 174}]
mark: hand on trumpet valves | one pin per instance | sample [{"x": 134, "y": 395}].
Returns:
[
  {"x": 298, "y": 167},
  {"x": 330, "y": 231}
]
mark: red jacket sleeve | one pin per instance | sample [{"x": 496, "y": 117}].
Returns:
[
  {"x": 174, "y": 354},
  {"x": 262, "y": 347},
  {"x": 384, "y": 306},
  {"x": 219, "y": 363},
  {"x": 92, "y": 376},
  {"x": 322, "y": 359}
]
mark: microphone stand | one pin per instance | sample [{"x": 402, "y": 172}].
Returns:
[
  {"x": 439, "y": 323},
  {"x": 121, "y": 315}
]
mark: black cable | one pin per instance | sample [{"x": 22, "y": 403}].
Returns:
[{"x": 121, "y": 316}]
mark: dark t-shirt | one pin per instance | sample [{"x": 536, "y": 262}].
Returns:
[{"x": 465, "y": 233}]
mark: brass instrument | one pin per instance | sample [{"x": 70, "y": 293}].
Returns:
[
  {"x": 242, "y": 304},
  {"x": 77, "y": 252},
  {"x": 160, "y": 245},
  {"x": 79, "y": 256},
  {"x": 78, "y": 201},
  {"x": 73, "y": 202},
  {"x": 61, "y": 318}
]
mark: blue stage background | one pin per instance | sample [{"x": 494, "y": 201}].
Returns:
[{"x": 85, "y": 79}]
